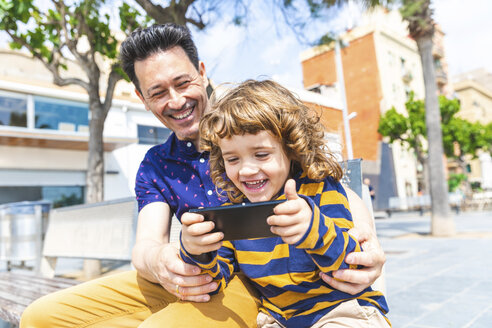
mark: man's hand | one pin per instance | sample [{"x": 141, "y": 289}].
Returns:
[
  {"x": 293, "y": 217},
  {"x": 372, "y": 259},
  {"x": 170, "y": 271}
]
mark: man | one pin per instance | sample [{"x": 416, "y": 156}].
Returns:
[{"x": 162, "y": 62}]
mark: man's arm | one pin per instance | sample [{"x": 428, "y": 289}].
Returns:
[
  {"x": 372, "y": 258},
  {"x": 158, "y": 261}
]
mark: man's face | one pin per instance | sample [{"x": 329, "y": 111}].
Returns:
[{"x": 174, "y": 91}]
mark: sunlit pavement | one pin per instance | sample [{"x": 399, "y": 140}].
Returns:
[{"x": 438, "y": 282}]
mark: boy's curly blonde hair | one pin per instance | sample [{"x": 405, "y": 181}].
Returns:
[{"x": 255, "y": 106}]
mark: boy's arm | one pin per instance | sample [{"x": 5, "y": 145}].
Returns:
[
  {"x": 327, "y": 239},
  {"x": 371, "y": 259},
  {"x": 204, "y": 248},
  {"x": 220, "y": 265}
]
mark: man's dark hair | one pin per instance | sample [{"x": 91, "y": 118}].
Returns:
[{"x": 143, "y": 43}]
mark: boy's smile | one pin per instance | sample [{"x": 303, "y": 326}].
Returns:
[{"x": 256, "y": 164}]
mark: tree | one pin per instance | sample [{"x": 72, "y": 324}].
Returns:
[
  {"x": 410, "y": 131},
  {"x": 70, "y": 33},
  {"x": 418, "y": 14},
  {"x": 460, "y": 137},
  {"x": 64, "y": 35}
]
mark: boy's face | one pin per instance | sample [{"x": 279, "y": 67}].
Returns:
[{"x": 256, "y": 164}]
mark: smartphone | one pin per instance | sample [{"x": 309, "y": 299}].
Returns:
[{"x": 241, "y": 221}]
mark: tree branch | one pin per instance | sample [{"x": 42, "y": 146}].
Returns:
[{"x": 113, "y": 78}]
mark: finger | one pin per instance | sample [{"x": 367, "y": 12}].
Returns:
[
  {"x": 200, "y": 228},
  {"x": 198, "y": 299},
  {"x": 355, "y": 276},
  {"x": 370, "y": 257},
  {"x": 285, "y": 231},
  {"x": 345, "y": 287},
  {"x": 191, "y": 218},
  {"x": 176, "y": 266},
  {"x": 290, "y": 190},
  {"x": 192, "y": 282},
  {"x": 197, "y": 290},
  {"x": 281, "y": 220}
]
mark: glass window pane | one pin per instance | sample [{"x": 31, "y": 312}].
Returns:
[
  {"x": 13, "y": 111},
  {"x": 64, "y": 195},
  {"x": 58, "y": 114},
  {"x": 151, "y": 135}
]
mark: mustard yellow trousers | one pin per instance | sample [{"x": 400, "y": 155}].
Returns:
[{"x": 128, "y": 300}]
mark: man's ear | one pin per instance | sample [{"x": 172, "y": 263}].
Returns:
[
  {"x": 139, "y": 95},
  {"x": 203, "y": 73}
]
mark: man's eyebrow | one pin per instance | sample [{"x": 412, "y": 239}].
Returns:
[{"x": 158, "y": 85}]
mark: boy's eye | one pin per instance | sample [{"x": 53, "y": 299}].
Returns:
[{"x": 262, "y": 155}]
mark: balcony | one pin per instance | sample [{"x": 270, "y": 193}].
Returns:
[{"x": 22, "y": 137}]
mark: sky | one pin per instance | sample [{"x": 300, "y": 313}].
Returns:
[{"x": 267, "y": 48}]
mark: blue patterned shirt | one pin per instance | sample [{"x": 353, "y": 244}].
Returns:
[{"x": 176, "y": 173}]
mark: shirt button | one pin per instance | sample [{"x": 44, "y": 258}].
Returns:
[
  {"x": 202, "y": 160},
  {"x": 209, "y": 192},
  {"x": 188, "y": 144}
]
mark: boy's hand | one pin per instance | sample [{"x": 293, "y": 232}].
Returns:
[
  {"x": 293, "y": 217},
  {"x": 196, "y": 236}
]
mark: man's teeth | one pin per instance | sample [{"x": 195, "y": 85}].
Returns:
[{"x": 184, "y": 115}]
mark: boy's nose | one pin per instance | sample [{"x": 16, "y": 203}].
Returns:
[{"x": 247, "y": 170}]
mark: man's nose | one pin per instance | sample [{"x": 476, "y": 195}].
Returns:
[{"x": 176, "y": 100}]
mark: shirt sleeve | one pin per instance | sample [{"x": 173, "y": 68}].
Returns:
[
  {"x": 147, "y": 189},
  {"x": 327, "y": 240},
  {"x": 220, "y": 267}
]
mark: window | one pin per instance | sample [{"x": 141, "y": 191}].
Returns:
[
  {"x": 58, "y": 114},
  {"x": 13, "y": 111},
  {"x": 152, "y": 135},
  {"x": 60, "y": 196}
]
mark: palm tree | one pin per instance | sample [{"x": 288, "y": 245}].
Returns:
[{"x": 418, "y": 14}]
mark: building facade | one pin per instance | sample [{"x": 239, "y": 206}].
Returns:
[
  {"x": 474, "y": 90},
  {"x": 381, "y": 66},
  {"x": 44, "y": 134}
]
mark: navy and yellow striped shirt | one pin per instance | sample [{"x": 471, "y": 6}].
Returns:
[{"x": 287, "y": 276}]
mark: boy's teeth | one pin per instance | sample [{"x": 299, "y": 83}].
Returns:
[{"x": 254, "y": 183}]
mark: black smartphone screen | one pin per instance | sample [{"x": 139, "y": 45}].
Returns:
[{"x": 241, "y": 221}]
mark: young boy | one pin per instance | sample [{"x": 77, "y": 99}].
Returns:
[{"x": 263, "y": 143}]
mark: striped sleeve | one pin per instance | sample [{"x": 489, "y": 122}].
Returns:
[
  {"x": 220, "y": 267},
  {"x": 327, "y": 240}
]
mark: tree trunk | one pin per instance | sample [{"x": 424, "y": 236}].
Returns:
[
  {"x": 95, "y": 170},
  {"x": 442, "y": 220},
  {"x": 95, "y": 166}
]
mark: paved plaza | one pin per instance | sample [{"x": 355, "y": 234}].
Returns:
[
  {"x": 438, "y": 282},
  {"x": 430, "y": 282}
]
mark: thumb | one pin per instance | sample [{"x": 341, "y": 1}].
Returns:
[{"x": 290, "y": 190}]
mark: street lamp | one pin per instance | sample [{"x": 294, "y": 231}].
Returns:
[{"x": 341, "y": 83}]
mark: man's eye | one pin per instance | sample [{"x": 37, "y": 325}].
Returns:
[
  {"x": 158, "y": 94},
  {"x": 184, "y": 83}
]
